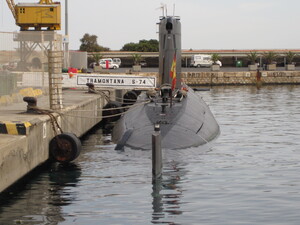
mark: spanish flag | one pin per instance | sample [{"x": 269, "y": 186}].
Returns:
[{"x": 173, "y": 72}]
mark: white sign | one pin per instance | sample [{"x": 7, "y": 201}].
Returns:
[{"x": 117, "y": 81}]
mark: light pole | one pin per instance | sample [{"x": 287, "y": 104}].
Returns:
[{"x": 66, "y": 39}]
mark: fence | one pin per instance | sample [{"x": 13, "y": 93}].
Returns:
[{"x": 24, "y": 63}]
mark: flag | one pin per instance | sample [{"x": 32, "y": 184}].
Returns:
[{"x": 173, "y": 72}]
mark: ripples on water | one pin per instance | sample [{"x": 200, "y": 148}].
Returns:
[{"x": 248, "y": 175}]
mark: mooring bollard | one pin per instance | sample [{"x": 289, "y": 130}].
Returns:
[{"x": 156, "y": 152}]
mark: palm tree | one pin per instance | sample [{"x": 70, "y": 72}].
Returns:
[
  {"x": 97, "y": 58},
  {"x": 215, "y": 57},
  {"x": 270, "y": 57},
  {"x": 136, "y": 58},
  {"x": 252, "y": 56},
  {"x": 290, "y": 57}
]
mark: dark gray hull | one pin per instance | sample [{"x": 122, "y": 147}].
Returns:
[{"x": 188, "y": 123}]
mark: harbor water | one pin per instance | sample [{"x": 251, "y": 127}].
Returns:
[{"x": 248, "y": 175}]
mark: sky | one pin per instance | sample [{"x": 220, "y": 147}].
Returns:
[{"x": 218, "y": 24}]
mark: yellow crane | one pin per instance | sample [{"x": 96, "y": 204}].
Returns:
[{"x": 45, "y": 14}]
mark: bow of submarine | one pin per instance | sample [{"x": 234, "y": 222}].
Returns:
[{"x": 188, "y": 123}]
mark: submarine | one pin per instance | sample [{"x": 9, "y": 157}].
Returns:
[{"x": 184, "y": 118}]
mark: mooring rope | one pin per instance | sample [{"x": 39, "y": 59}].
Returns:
[{"x": 109, "y": 116}]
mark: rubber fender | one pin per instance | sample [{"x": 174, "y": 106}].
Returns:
[
  {"x": 65, "y": 147},
  {"x": 138, "y": 92},
  {"x": 129, "y": 98},
  {"x": 116, "y": 109}
]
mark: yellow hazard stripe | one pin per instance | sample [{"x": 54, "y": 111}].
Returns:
[
  {"x": 11, "y": 128},
  {"x": 14, "y": 127}
]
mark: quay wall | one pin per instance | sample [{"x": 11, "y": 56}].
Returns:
[
  {"x": 240, "y": 78},
  {"x": 20, "y": 154}
]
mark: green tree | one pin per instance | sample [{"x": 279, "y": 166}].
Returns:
[
  {"x": 215, "y": 57},
  {"x": 96, "y": 58},
  {"x": 130, "y": 47},
  {"x": 136, "y": 58},
  {"x": 252, "y": 56},
  {"x": 89, "y": 44},
  {"x": 151, "y": 45},
  {"x": 290, "y": 57},
  {"x": 270, "y": 57}
]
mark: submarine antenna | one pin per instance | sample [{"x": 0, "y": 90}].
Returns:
[
  {"x": 162, "y": 7},
  {"x": 166, "y": 7},
  {"x": 174, "y": 9}
]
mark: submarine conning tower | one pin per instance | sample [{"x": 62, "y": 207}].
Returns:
[{"x": 169, "y": 49}]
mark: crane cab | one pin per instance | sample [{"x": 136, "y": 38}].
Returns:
[{"x": 45, "y": 14}]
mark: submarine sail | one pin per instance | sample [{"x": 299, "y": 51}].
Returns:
[{"x": 185, "y": 119}]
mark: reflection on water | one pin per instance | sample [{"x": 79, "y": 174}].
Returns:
[
  {"x": 167, "y": 193},
  {"x": 248, "y": 175},
  {"x": 40, "y": 201}
]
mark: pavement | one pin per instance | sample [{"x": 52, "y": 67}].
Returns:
[
  {"x": 191, "y": 69},
  {"x": 15, "y": 120}
]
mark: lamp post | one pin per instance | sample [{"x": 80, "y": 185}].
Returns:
[{"x": 66, "y": 39}]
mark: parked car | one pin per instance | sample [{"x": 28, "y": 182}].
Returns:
[
  {"x": 143, "y": 63},
  {"x": 117, "y": 61},
  {"x": 104, "y": 60},
  {"x": 203, "y": 61},
  {"x": 111, "y": 65}
]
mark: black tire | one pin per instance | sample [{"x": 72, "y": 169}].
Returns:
[
  {"x": 129, "y": 98},
  {"x": 113, "y": 105},
  {"x": 198, "y": 66},
  {"x": 65, "y": 147}
]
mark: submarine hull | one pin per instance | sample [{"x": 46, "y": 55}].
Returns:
[{"x": 187, "y": 123}]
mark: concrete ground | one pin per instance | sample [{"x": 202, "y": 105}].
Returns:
[
  {"x": 25, "y": 144},
  {"x": 190, "y": 69},
  {"x": 16, "y": 112}
]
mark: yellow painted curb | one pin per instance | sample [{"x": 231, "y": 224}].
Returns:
[{"x": 14, "y": 127}]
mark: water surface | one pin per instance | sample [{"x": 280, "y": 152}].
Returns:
[{"x": 248, "y": 175}]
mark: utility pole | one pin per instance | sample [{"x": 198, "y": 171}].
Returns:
[{"x": 66, "y": 41}]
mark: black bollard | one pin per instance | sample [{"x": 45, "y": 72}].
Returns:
[
  {"x": 31, "y": 101},
  {"x": 156, "y": 153}
]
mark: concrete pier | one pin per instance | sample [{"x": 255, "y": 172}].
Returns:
[
  {"x": 241, "y": 78},
  {"x": 24, "y": 138}
]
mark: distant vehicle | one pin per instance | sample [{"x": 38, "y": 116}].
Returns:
[
  {"x": 104, "y": 60},
  {"x": 111, "y": 65},
  {"x": 203, "y": 61},
  {"x": 143, "y": 63},
  {"x": 117, "y": 61}
]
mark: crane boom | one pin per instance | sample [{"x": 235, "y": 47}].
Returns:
[{"x": 11, "y": 4}]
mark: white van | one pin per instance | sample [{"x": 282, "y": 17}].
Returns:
[
  {"x": 104, "y": 60},
  {"x": 202, "y": 61},
  {"x": 110, "y": 60},
  {"x": 117, "y": 61}
]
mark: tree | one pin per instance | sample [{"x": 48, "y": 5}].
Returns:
[
  {"x": 215, "y": 57},
  {"x": 130, "y": 47},
  {"x": 270, "y": 57},
  {"x": 136, "y": 58},
  {"x": 143, "y": 46},
  {"x": 290, "y": 57},
  {"x": 96, "y": 58},
  {"x": 89, "y": 44},
  {"x": 252, "y": 56}
]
